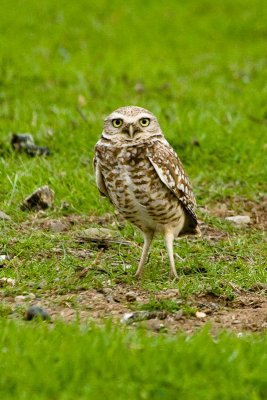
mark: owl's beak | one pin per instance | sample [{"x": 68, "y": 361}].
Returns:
[{"x": 131, "y": 131}]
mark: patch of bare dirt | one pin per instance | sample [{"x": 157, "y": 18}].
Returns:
[
  {"x": 40, "y": 220},
  {"x": 257, "y": 211},
  {"x": 211, "y": 233},
  {"x": 246, "y": 313}
]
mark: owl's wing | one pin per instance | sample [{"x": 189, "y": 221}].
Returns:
[
  {"x": 100, "y": 183},
  {"x": 171, "y": 172}
]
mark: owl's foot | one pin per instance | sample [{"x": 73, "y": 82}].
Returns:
[
  {"x": 173, "y": 274},
  {"x": 138, "y": 275}
]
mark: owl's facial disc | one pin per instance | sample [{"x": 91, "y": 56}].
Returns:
[
  {"x": 127, "y": 125},
  {"x": 131, "y": 124}
]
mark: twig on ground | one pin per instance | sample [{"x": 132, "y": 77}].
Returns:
[{"x": 84, "y": 272}]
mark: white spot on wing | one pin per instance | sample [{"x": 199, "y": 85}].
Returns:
[{"x": 181, "y": 187}]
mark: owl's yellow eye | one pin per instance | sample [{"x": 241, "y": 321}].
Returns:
[
  {"x": 117, "y": 122},
  {"x": 144, "y": 121}
]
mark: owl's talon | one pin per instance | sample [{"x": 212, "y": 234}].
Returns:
[
  {"x": 138, "y": 276},
  {"x": 174, "y": 276}
]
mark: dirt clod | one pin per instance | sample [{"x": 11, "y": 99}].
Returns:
[
  {"x": 24, "y": 142},
  {"x": 40, "y": 199},
  {"x": 130, "y": 296},
  {"x": 154, "y": 325},
  {"x": 57, "y": 226},
  {"x": 35, "y": 312}
]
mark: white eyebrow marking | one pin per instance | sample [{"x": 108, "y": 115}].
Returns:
[
  {"x": 117, "y": 115},
  {"x": 144, "y": 115}
]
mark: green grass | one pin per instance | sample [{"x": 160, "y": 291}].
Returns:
[
  {"x": 68, "y": 362},
  {"x": 63, "y": 67},
  {"x": 170, "y": 306}
]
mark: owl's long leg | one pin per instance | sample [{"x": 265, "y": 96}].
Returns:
[
  {"x": 148, "y": 236},
  {"x": 169, "y": 237}
]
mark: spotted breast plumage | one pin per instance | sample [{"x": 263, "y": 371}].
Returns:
[{"x": 141, "y": 174}]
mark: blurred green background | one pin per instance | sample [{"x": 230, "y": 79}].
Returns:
[{"x": 200, "y": 66}]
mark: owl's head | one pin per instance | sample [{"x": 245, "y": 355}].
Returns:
[{"x": 131, "y": 123}]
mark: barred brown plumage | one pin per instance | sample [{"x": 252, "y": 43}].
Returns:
[{"x": 140, "y": 173}]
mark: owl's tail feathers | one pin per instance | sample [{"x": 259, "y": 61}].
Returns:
[{"x": 191, "y": 228}]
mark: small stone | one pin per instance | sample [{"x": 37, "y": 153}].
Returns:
[
  {"x": 4, "y": 216},
  {"x": 130, "y": 296},
  {"x": 200, "y": 314},
  {"x": 126, "y": 317},
  {"x": 23, "y": 297},
  {"x": 127, "y": 266},
  {"x": 41, "y": 198},
  {"x": 35, "y": 312},
  {"x": 168, "y": 294},
  {"x": 57, "y": 226},
  {"x": 239, "y": 220},
  {"x": 105, "y": 290},
  {"x": 20, "y": 298},
  {"x": 155, "y": 325},
  {"x": 178, "y": 315},
  {"x": 100, "y": 233},
  {"x": 7, "y": 281}
]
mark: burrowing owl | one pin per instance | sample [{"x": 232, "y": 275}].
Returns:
[{"x": 142, "y": 176}]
